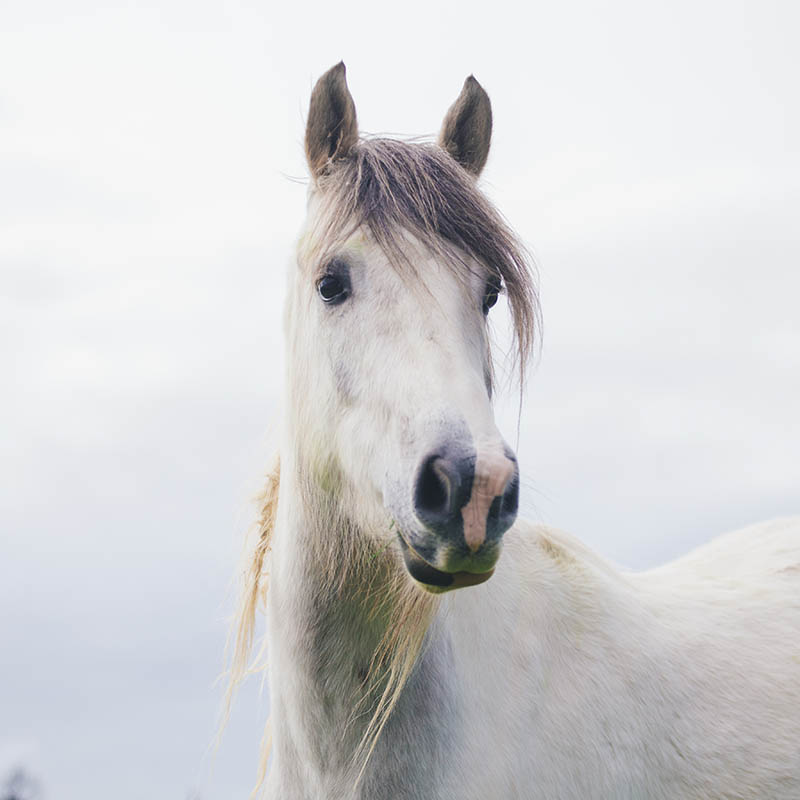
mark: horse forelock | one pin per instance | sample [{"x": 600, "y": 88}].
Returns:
[{"x": 388, "y": 187}]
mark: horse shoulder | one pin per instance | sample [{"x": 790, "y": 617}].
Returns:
[{"x": 701, "y": 656}]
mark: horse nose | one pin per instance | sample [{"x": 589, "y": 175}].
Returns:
[{"x": 468, "y": 499}]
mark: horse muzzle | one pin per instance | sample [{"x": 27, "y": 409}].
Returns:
[{"x": 465, "y": 501}]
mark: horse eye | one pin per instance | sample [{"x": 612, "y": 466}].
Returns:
[
  {"x": 490, "y": 295},
  {"x": 333, "y": 288}
]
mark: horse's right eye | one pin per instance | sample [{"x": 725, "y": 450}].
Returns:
[{"x": 333, "y": 288}]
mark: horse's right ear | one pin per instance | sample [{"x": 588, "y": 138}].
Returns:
[{"x": 332, "y": 129}]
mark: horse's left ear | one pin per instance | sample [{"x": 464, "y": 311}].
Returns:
[
  {"x": 332, "y": 128},
  {"x": 467, "y": 128}
]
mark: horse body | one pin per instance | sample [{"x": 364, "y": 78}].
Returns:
[{"x": 562, "y": 676}]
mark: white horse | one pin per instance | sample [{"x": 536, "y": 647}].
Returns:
[{"x": 561, "y": 677}]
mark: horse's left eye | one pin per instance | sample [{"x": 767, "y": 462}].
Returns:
[{"x": 490, "y": 295}]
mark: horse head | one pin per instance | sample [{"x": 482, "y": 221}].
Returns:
[{"x": 398, "y": 266}]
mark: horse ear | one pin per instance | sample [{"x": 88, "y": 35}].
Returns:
[
  {"x": 332, "y": 129},
  {"x": 467, "y": 128}
]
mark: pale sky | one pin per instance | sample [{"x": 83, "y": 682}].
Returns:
[{"x": 647, "y": 153}]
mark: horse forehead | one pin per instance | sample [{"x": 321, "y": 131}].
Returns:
[{"x": 442, "y": 274}]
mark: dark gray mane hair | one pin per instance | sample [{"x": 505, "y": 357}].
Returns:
[{"x": 389, "y": 186}]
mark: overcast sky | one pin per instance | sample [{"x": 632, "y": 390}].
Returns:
[{"x": 648, "y": 153}]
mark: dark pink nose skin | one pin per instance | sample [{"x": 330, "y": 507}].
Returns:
[{"x": 468, "y": 499}]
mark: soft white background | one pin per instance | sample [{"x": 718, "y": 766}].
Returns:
[{"x": 647, "y": 152}]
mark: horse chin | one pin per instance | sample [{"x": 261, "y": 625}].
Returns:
[{"x": 434, "y": 580}]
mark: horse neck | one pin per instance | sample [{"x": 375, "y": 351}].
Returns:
[
  {"x": 330, "y": 610},
  {"x": 317, "y": 599}
]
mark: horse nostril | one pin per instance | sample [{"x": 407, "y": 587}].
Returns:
[
  {"x": 504, "y": 506},
  {"x": 434, "y": 487},
  {"x": 511, "y": 495}
]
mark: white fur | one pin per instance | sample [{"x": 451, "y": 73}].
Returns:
[{"x": 561, "y": 677}]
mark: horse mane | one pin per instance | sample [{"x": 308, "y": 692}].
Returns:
[
  {"x": 390, "y": 186},
  {"x": 253, "y": 589}
]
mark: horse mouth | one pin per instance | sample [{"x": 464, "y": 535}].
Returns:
[{"x": 435, "y": 580}]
